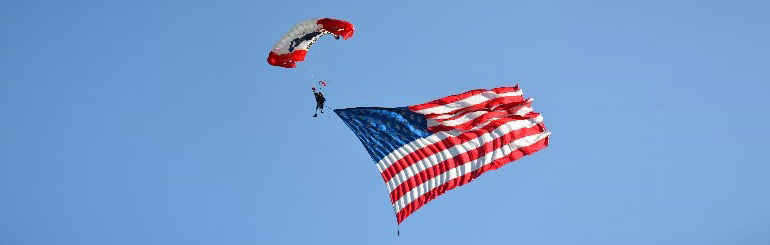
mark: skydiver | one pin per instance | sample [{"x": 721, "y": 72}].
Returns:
[{"x": 319, "y": 101}]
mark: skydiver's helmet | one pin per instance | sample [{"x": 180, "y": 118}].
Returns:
[
  {"x": 337, "y": 37},
  {"x": 313, "y": 88}
]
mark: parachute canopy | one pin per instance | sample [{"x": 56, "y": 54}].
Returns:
[{"x": 293, "y": 46}]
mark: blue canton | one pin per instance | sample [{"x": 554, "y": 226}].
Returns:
[{"x": 383, "y": 130}]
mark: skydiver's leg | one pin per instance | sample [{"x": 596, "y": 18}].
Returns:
[{"x": 318, "y": 106}]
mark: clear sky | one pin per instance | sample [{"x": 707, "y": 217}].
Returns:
[{"x": 160, "y": 122}]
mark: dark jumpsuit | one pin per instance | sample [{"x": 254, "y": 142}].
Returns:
[{"x": 319, "y": 100}]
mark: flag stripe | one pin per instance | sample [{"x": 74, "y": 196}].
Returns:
[
  {"x": 468, "y": 167},
  {"x": 455, "y": 182},
  {"x": 470, "y": 122},
  {"x": 458, "y": 97},
  {"x": 426, "y": 172},
  {"x": 473, "y": 125},
  {"x": 505, "y": 98},
  {"x": 458, "y": 106},
  {"x": 452, "y": 103}
]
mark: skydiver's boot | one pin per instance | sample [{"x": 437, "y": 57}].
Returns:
[{"x": 315, "y": 115}]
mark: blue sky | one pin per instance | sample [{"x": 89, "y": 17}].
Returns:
[{"x": 159, "y": 122}]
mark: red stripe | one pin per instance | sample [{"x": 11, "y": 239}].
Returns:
[
  {"x": 425, "y": 198},
  {"x": 487, "y": 105},
  {"x": 504, "y": 111},
  {"x": 461, "y": 159},
  {"x": 444, "y": 144},
  {"x": 458, "y": 97}
]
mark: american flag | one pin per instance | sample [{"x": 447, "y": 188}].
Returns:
[{"x": 425, "y": 150}]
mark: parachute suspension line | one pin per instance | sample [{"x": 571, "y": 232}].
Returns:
[
  {"x": 321, "y": 68},
  {"x": 312, "y": 82},
  {"x": 310, "y": 61},
  {"x": 335, "y": 44}
]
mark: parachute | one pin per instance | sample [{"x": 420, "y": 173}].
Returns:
[{"x": 293, "y": 46}]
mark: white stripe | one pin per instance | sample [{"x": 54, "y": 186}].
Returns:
[
  {"x": 471, "y": 116},
  {"x": 466, "y": 168},
  {"x": 524, "y": 111},
  {"x": 465, "y": 118},
  {"x": 470, "y": 101},
  {"x": 451, "y": 115},
  {"x": 413, "y": 146},
  {"x": 445, "y": 116},
  {"x": 456, "y": 150}
]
